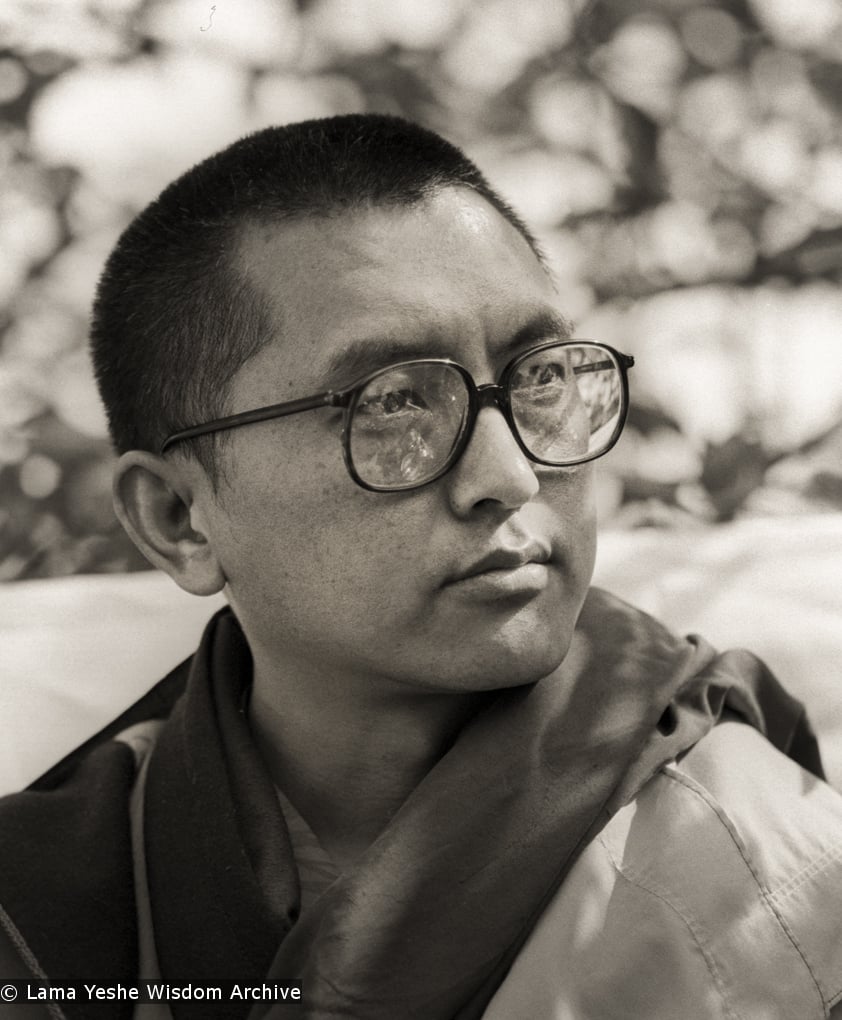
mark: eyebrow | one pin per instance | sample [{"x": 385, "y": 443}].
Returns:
[{"x": 368, "y": 354}]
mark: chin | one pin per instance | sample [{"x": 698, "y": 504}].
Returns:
[
  {"x": 491, "y": 647},
  {"x": 514, "y": 659},
  {"x": 527, "y": 668},
  {"x": 530, "y": 646}
]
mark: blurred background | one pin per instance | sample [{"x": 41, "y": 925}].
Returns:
[{"x": 681, "y": 162}]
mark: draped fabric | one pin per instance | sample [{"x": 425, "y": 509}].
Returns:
[
  {"x": 430, "y": 919},
  {"x": 433, "y": 914}
]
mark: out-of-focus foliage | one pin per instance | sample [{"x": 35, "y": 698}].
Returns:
[{"x": 681, "y": 162}]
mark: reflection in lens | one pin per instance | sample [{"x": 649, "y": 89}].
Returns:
[
  {"x": 405, "y": 424},
  {"x": 419, "y": 460},
  {"x": 566, "y": 402}
]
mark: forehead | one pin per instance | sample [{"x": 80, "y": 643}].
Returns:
[{"x": 448, "y": 277}]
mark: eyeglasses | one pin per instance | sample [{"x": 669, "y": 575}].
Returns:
[{"x": 406, "y": 425}]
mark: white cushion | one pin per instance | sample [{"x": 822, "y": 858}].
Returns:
[{"x": 76, "y": 651}]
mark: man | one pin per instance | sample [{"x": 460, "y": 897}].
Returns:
[{"x": 417, "y": 766}]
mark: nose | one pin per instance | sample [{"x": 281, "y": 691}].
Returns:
[{"x": 493, "y": 471}]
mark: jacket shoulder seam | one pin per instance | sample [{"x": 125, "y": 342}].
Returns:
[
  {"x": 815, "y": 867},
  {"x": 688, "y": 922},
  {"x": 671, "y": 772}
]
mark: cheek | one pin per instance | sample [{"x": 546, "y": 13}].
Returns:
[
  {"x": 569, "y": 497},
  {"x": 331, "y": 545},
  {"x": 569, "y": 493}
]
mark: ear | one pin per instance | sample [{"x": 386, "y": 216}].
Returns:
[{"x": 156, "y": 503}]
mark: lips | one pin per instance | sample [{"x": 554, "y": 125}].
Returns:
[{"x": 502, "y": 561}]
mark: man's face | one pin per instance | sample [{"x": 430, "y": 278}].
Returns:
[{"x": 326, "y": 576}]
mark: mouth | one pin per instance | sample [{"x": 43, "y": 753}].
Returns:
[{"x": 504, "y": 573}]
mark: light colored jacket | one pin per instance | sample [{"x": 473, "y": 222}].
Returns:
[{"x": 715, "y": 895}]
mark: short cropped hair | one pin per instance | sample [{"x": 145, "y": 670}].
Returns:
[{"x": 175, "y": 316}]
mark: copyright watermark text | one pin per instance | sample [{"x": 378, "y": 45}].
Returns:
[{"x": 26, "y": 991}]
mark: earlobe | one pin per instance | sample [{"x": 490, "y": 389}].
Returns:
[{"x": 154, "y": 502}]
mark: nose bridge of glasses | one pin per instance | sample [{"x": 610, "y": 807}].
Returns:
[
  {"x": 491, "y": 395},
  {"x": 494, "y": 395}
]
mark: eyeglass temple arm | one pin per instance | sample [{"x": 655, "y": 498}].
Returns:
[
  {"x": 233, "y": 421},
  {"x": 626, "y": 361}
]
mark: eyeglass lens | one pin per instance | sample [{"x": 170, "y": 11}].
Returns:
[
  {"x": 566, "y": 404},
  {"x": 406, "y": 422}
]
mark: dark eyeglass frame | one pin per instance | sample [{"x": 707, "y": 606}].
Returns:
[{"x": 486, "y": 395}]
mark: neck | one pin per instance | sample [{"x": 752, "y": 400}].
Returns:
[{"x": 348, "y": 752}]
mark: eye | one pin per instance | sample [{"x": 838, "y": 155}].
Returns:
[
  {"x": 540, "y": 376},
  {"x": 391, "y": 402},
  {"x": 547, "y": 374},
  {"x": 402, "y": 400}
]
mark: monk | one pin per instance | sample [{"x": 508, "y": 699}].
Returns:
[{"x": 417, "y": 766}]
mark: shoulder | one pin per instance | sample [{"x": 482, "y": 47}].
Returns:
[
  {"x": 717, "y": 892},
  {"x": 66, "y": 862},
  {"x": 777, "y": 815},
  {"x": 746, "y": 846},
  {"x": 66, "y": 870}
]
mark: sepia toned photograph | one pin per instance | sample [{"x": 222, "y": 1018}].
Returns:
[{"x": 421, "y": 509}]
